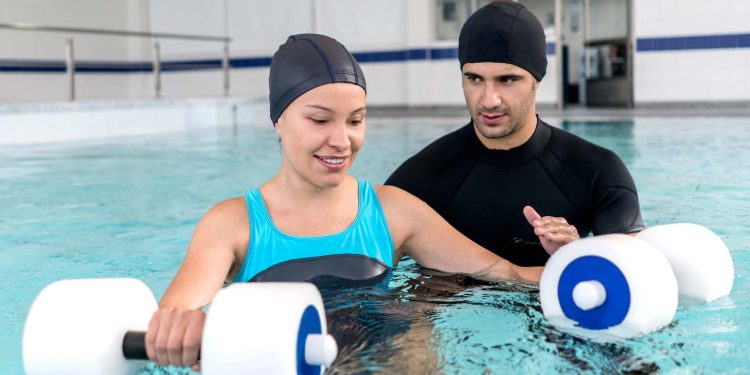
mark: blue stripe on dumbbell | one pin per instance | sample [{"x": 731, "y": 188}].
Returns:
[
  {"x": 614, "y": 309},
  {"x": 309, "y": 323}
]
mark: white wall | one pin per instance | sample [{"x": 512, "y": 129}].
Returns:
[
  {"x": 257, "y": 27},
  {"x": 699, "y": 75},
  {"x": 50, "y": 47}
]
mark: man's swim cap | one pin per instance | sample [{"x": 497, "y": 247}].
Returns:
[
  {"x": 305, "y": 62},
  {"x": 504, "y": 32}
]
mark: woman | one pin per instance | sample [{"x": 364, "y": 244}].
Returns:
[{"x": 312, "y": 219}]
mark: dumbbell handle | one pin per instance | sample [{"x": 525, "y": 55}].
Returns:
[
  {"x": 319, "y": 349},
  {"x": 134, "y": 345}
]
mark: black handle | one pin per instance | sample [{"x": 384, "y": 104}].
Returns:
[{"x": 134, "y": 345}]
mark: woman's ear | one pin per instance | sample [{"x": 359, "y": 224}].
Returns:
[{"x": 276, "y": 125}]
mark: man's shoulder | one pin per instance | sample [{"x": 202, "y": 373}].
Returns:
[{"x": 568, "y": 146}]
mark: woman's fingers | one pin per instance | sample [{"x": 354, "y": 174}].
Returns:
[
  {"x": 153, "y": 328},
  {"x": 174, "y": 336},
  {"x": 162, "y": 336},
  {"x": 174, "y": 339},
  {"x": 192, "y": 338}
]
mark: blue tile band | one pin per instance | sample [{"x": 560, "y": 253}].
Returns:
[
  {"x": 678, "y": 43},
  {"x": 697, "y": 42},
  {"x": 56, "y": 66}
]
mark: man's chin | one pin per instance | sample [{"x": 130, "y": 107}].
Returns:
[{"x": 492, "y": 131}]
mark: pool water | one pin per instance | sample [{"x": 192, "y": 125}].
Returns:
[{"x": 127, "y": 207}]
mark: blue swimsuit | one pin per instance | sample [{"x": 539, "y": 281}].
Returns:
[{"x": 362, "y": 251}]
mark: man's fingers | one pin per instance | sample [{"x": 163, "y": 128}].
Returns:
[
  {"x": 531, "y": 214},
  {"x": 551, "y": 220},
  {"x": 561, "y": 234}
]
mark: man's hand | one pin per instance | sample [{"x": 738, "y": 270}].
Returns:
[{"x": 553, "y": 232}]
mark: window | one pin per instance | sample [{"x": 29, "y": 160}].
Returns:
[{"x": 451, "y": 15}]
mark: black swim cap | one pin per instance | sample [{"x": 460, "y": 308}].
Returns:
[
  {"x": 504, "y": 32},
  {"x": 305, "y": 62}
]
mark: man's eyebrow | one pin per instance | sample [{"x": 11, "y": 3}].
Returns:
[{"x": 509, "y": 75}]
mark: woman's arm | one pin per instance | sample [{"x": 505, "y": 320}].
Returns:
[
  {"x": 419, "y": 232},
  {"x": 174, "y": 333}
]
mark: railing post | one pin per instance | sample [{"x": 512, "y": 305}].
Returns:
[
  {"x": 225, "y": 68},
  {"x": 70, "y": 69},
  {"x": 157, "y": 70}
]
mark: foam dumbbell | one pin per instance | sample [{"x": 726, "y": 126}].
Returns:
[
  {"x": 95, "y": 326},
  {"x": 627, "y": 286},
  {"x": 699, "y": 258},
  {"x": 613, "y": 283}
]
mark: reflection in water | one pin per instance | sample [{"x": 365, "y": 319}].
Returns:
[{"x": 419, "y": 321}]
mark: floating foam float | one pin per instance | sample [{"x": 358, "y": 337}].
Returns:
[
  {"x": 95, "y": 326},
  {"x": 623, "y": 286}
]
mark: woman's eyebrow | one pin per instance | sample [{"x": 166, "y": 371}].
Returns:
[{"x": 318, "y": 106}]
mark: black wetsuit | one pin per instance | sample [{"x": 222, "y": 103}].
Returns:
[{"x": 481, "y": 192}]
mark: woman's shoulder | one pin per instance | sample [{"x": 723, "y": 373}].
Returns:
[
  {"x": 228, "y": 206},
  {"x": 394, "y": 199},
  {"x": 230, "y": 212}
]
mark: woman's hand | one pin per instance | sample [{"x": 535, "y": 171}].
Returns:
[
  {"x": 174, "y": 336},
  {"x": 553, "y": 232}
]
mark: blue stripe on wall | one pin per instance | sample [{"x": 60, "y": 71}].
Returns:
[
  {"x": 679, "y": 43},
  {"x": 418, "y": 54}
]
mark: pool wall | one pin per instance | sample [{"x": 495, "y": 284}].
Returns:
[{"x": 59, "y": 122}]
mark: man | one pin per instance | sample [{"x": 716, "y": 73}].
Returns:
[{"x": 485, "y": 177}]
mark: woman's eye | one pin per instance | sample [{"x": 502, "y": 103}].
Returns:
[{"x": 319, "y": 121}]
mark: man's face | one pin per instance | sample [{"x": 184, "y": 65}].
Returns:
[{"x": 502, "y": 101}]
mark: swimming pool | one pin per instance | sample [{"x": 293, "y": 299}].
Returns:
[{"x": 126, "y": 207}]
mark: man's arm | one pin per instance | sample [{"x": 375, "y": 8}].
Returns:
[{"x": 616, "y": 208}]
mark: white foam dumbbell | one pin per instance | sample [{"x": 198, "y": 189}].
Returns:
[
  {"x": 96, "y": 326},
  {"x": 699, "y": 258},
  {"x": 627, "y": 286},
  {"x": 613, "y": 283}
]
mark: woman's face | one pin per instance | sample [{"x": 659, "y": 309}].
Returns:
[{"x": 322, "y": 131}]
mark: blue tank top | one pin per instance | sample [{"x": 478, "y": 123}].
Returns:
[{"x": 362, "y": 251}]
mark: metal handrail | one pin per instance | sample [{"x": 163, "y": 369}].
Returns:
[
  {"x": 70, "y": 61},
  {"x": 78, "y": 30}
]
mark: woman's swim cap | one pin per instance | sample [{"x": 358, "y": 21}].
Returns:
[
  {"x": 305, "y": 62},
  {"x": 504, "y": 32}
]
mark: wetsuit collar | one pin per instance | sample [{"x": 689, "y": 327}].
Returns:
[{"x": 515, "y": 156}]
